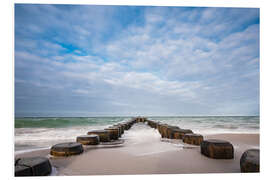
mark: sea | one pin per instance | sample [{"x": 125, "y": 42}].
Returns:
[{"x": 33, "y": 133}]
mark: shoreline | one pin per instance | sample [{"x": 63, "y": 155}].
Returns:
[
  {"x": 23, "y": 151},
  {"x": 144, "y": 152},
  {"x": 136, "y": 116}
]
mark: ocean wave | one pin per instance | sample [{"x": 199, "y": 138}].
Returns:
[
  {"x": 42, "y": 132},
  {"x": 254, "y": 127},
  {"x": 225, "y": 126},
  {"x": 63, "y": 122}
]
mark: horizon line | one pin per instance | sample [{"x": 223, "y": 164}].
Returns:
[{"x": 133, "y": 116}]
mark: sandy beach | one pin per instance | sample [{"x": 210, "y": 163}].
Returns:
[
  {"x": 144, "y": 152},
  {"x": 135, "y": 89}
]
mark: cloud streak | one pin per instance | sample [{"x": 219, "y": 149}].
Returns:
[{"x": 90, "y": 60}]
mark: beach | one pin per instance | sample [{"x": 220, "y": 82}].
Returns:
[
  {"x": 145, "y": 152},
  {"x": 136, "y": 88},
  {"x": 43, "y": 132}
]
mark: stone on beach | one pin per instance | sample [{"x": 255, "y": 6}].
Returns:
[
  {"x": 123, "y": 125},
  {"x": 250, "y": 161},
  {"x": 66, "y": 149},
  {"x": 137, "y": 153},
  {"x": 167, "y": 131},
  {"x": 140, "y": 119},
  {"x": 194, "y": 139},
  {"x": 170, "y": 131},
  {"x": 217, "y": 149},
  {"x": 159, "y": 127},
  {"x": 113, "y": 132},
  {"x": 104, "y": 135},
  {"x": 119, "y": 129},
  {"x": 21, "y": 170},
  {"x": 163, "y": 130},
  {"x": 179, "y": 133},
  {"x": 126, "y": 126},
  {"x": 33, "y": 166},
  {"x": 130, "y": 123},
  {"x": 152, "y": 124},
  {"x": 92, "y": 139}
]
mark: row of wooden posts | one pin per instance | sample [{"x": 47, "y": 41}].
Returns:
[
  {"x": 41, "y": 166},
  {"x": 174, "y": 132},
  {"x": 212, "y": 148},
  {"x": 106, "y": 136}
]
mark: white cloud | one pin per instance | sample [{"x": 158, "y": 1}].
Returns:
[
  {"x": 80, "y": 91},
  {"x": 166, "y": 62}
]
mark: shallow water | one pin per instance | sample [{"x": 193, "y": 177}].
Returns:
[{"x": 34, "y": 133}]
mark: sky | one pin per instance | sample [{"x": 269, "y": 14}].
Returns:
[{"x": 86, "y": 60}]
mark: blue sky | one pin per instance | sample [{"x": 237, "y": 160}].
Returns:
[{"x": 85, "y": 60}]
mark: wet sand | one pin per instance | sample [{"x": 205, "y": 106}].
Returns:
[{"x": 144, "y": 152}]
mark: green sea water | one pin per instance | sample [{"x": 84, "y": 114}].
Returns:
[
  {"x": 42, "y": 132},
  {"x": 60, "y": 122}
]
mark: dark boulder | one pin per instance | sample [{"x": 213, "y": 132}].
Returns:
[
  {"x": 104, "y": 135},
  {"x": 92, "y": 139},
  {"x": 170, "y": 131},
  {"x": 163, "y": 130},
  {"x": 194, "y": 139},
  {"x": 119, "y": 129},
  {"x": 66, "y": 149},
  {"x": 217, "y": 149},
  {"x": 126, "y": 126},
  {"x": 113, "y": 132},
  {"x": 179, "y": 133},
  {"x": 33, "y": 166},
  {"x": 122, "y": 128},
  {"x": 152, "y": 124},
  {"x": 141, "y": 119},
  {"x": 250, "y": 161}
]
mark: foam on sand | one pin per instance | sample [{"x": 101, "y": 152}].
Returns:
[{"x": 144, "y": 152}]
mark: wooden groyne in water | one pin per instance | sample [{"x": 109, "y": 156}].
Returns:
[{"x": 110, "y": 136}]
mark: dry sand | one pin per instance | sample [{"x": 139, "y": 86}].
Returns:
[{"x": 143, "y": 152}]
